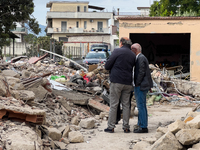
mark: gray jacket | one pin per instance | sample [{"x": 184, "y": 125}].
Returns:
[{"x": 142, "y": 75}]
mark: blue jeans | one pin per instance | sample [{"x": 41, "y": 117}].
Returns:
[{"x": 140, "y": 97}]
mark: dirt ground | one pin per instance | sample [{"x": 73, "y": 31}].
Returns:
[{"x": 99, "y": 140}]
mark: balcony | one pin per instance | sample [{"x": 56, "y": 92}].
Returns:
[
  {"x": 21, "y": 30},
  {"x": 78, "y": 30},
  {"x": 81, "y": 15}
]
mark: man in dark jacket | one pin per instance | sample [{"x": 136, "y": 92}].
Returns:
[
  {"x": 143, "y": 82},
  {"x": 120, "y": 64}
]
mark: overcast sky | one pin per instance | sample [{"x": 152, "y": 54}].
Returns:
[{"x": 40, "y": 9}]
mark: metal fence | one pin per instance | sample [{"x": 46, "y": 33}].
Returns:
[{"x": 72, "y": 52}]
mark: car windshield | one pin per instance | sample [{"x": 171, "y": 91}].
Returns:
[{"x": 96, "y": 55}]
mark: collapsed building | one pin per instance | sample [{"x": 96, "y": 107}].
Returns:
[{"x": 50, "y": 104}]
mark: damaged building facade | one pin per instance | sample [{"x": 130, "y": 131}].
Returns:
[{"x": 166, "y": 41}]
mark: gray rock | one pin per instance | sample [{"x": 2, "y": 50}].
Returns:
[
  {"x": 188, "y": 136},
  {"x": 88, "y": 123},
  {"x": 76, "y": 137},
  {"x": 10, "y": 73},
  {"x": 163, "y": 143},
  {"x": 61, "y": 145},
  {"x": 75, "y": 120},
  {"x": 54, "y": 134},
  {"x": 176, "y": 126},
  {"x": 66, "y": 131},
  {"x": 194, "y": 123},
  {"x": 25, "y": 74}
]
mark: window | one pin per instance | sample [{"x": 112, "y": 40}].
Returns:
[
  {"x": 100, "y": 26},
  {"x": 77, "y": 24},
  {"x": 64, "y": 39},
  {"x": 85, "y": 24},
  {"x": 63, "y": 26},
  {"x": 78, "y": 8},
  {"x": 85, "y": 8}
]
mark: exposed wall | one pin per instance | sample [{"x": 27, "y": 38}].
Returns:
[
  {"x": 169, "y": 26},
  {"x": 68, "y": 7}
]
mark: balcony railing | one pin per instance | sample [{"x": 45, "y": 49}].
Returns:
[
  {"x": 20, "y": 30},
  {"x": 78, "y": 30},
  {"x": 88, "y": 15}
]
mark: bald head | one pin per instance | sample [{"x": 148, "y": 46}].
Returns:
[{"x": 136, "y": 48}]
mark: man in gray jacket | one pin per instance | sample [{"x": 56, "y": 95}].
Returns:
[
  {"x": 143, "y": 82},
  {"x": 120, "y": 64}
]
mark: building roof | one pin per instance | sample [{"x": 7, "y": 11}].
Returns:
[
  {"x": 12, "y": 35},
  {"x": 158, "y": 18},
  {"x": 51, "y": 2},
  {"x": 95, "y": 7},
  {"x": 139, "y": 8}
]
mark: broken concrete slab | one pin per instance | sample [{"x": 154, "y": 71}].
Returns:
[
  {"x": 10, "y": 73},
  {"x": 61, "y": 145},
  {"x": 163, "y": 143},
  {"x": 75, "y": 120},
  {"x": 98, "y": 106},
  {"x": 76, "y": 137},
  {"x": 188, "y": 136},
  {"x": 25, "y": 95},
  {"x": 196, "y": 146},
  {"x": 54, "y": 134},
  {"x": 88, "y": 123},
  {"x": 74, "y": 97},
  {"x": 26, "y": 74},
  {"x": 66, "y": 131},
  {"x": 188, "y": 87},
  {"x": 177, "y": 125},
  {"x": 64, "y": 103},
  {"x": 40, "y": 92},
  {"x": 194, "y": 123},
  {"x": 22, "y": 138}
]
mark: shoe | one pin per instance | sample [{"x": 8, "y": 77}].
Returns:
[
  {"x": 109, "y": 130},
  {"x": 135, "y": 127},
  {"x": 141, "y": 130},
  {"x": 126, "y": 130}
]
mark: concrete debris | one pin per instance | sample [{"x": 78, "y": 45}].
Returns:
[
  {"x": 54, "y": 134},
  {"x": 48, "y": 105},
  {"x": 76, "y": 137},
  {"x": 66, "y": 131},
  {"x": 10, "y": 73},
  {"x": 88, "y": 123}
]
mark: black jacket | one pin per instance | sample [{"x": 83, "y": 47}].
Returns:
[
  {"x": 120, "y": 64},
  {"x": 142, "y": 75}
]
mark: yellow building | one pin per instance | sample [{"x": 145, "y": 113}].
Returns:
[
  {"x": 166, "y": 41},
  {"x": 72, "y": 22}
]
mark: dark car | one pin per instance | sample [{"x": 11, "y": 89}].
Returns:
[{"x": 95, "y": 57}]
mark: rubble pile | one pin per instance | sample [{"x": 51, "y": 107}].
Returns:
[
  {"x": 54, "y": 112},
  {"x": 181, "y": 134},
  {"x": 52, "y": 104}
]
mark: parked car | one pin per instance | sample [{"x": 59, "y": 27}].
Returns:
[
  {"x": 99, "y": 47},
  {"x": 95, "y": 57}
]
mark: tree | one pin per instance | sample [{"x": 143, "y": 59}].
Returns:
[
  {"x": 163, "y": 8},
  {"x": 41, "y": 42},
  {"x": 175, "y": 8},
  {"x": 13, "y": 11}
]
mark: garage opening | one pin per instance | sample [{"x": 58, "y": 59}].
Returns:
[{"x": 165, "y": 49}]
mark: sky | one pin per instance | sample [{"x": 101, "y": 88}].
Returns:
[{"x": 40, "y": 9}]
